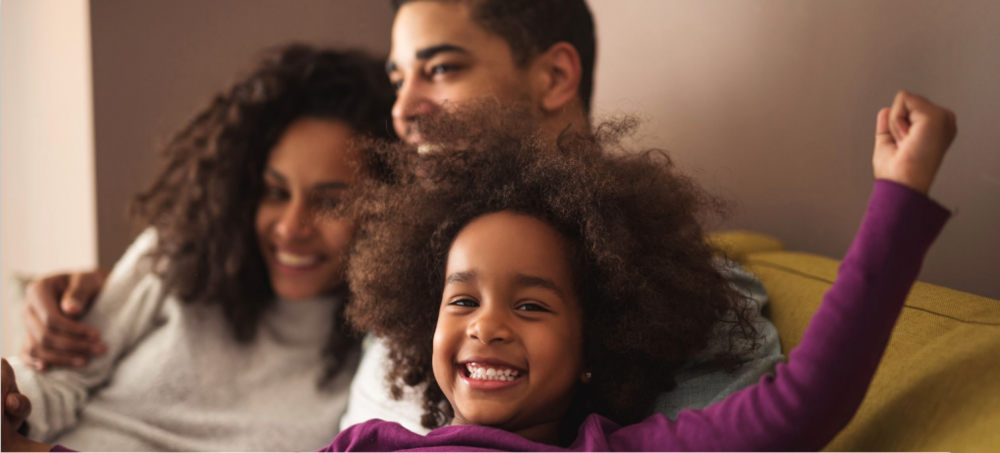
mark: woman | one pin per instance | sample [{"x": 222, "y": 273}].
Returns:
[{"x": 222, "y": 320}]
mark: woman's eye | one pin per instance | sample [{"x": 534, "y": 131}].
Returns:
[
  {"x": 464, "y": 303},
  {"x": 397, "y": 84},
  {"x": 275, "y": 193},
  {"x": 531, "y": 307},
  {"x": 326, "y": 203}
]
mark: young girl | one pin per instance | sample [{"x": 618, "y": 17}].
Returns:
[
  {"x": 565, "y": 287},
  {"x": 223, "y": 321}
]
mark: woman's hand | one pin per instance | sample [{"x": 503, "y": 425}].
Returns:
[
  {"x": 911, "y": 138},
  {"x": 15, "y": 409}
]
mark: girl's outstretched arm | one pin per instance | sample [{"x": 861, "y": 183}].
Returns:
[{"x": 812, "y": 397}]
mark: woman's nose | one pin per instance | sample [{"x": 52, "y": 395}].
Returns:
[{"x": 296, "y": 221}]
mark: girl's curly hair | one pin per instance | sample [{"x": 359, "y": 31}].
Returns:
[
  {"x": 652, "y": 295},
  {"x": 203, "y": 202}
]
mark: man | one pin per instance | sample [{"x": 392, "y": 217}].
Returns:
[{"x": 445, "y": 53}]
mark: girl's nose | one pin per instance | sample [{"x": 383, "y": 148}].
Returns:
[{"x": 490, "y": 327}]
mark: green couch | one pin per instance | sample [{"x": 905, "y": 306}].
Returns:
[{"x": 938, "y": 386}]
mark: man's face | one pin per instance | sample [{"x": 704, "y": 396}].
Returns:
[{"x": 440, "y": 57}]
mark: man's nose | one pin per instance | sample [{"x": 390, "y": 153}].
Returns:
[{"x": 412, "y": 102}]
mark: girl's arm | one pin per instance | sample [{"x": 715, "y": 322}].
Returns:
[
  {"x": 125, "y": 311},
  {"x": 812, "y": 397}
]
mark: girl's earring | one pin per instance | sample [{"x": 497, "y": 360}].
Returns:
[{"x": 586, "y": 377}]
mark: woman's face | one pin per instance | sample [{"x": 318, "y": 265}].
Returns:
[
  {"x": 308, "y": 169},
  {"x": 508, "y": 347}
]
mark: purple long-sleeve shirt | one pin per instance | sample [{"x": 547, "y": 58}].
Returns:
[{"x": 801, "y": 407}]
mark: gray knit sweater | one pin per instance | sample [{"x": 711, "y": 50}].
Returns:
[{"x": 174, "y": 378}]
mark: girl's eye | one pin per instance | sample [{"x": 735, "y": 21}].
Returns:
[
  {"x": 464, "y": 303},
  {"x": 531, "y": 307}
]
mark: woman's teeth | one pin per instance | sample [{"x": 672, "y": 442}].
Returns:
[
  {"x": 294, "y": 260},
  {"x": 492, "y": 374}
]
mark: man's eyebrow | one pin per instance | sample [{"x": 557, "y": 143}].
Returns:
[
  {"x": 526, "y": 281},
  {"x": 429, "y": 52},
  {"x": 426, "y": 54},
  {"x": 460, "y": 277}
]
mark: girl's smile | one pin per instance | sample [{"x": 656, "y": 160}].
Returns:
[{"x": 508, "y": 347}]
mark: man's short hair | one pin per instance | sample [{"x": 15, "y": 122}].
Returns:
[{"x": 531, "y": 27}]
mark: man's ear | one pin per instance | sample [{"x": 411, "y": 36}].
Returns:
[{"x": 559, "y": 72}]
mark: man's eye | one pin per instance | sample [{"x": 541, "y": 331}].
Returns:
[
  {"x": 464, "y": 303},
  {"x": 442, "y": 69}
]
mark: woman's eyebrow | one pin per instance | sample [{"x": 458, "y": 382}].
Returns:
[
  {"x": 331, "y": 185},
  {"x": 274, "y": 174},
  {"x": 529, "y": 281},
  {"x": 460, "y": 277}
]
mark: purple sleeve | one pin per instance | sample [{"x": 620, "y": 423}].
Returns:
[{"x": 812, "y": 397}]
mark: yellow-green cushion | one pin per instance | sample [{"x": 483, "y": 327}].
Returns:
[{"x": 938, "y": 386}]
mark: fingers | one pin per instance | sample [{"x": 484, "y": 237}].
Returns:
[
  {"x": 80, "y": 292},
  {"x": 883, "y": 137},
  {"x": 17, "y": 407},
  {"x": 899, "y": 117},
  {"x": 46, "y": 348},
  {"x": 42, "y": 300}
]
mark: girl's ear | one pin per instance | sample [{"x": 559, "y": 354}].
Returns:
[{"x": 585, "y": 377}]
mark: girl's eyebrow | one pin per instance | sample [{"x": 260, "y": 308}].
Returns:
[
  {"x": 528, "y": 281},
  {"x": 461, "y": 277}
]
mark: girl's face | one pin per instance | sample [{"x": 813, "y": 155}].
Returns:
[
  {"x": 308, "y": 169},
  {"x": 508, "y": 348}
]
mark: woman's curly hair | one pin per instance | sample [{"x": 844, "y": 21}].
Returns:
[
  {"x": 204, "y": 200},
  {"x": 652, "y": 295}
]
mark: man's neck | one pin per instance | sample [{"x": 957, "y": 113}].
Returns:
[{"x": 571, "y": 119}]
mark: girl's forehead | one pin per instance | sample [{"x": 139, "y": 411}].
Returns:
[{"x": 506, "y": 244}]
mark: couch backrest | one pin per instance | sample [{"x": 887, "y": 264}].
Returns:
[{"x": 938, "y": 385}]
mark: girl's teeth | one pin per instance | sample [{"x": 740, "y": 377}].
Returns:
[{"x": 492, "y": 374}]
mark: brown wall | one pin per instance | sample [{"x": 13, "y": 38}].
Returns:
[
  {"x": 773, "y": 103},
  {"x": 157, "y": 61}
]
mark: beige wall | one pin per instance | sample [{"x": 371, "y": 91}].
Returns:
[
  {"x": 47, "y": 219},
  {"x": 157, "y": 61},
  {"x": 773, "y": 103}
]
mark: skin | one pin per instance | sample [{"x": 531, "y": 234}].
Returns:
[
  {"x": 308, "y": 169},
  {"x": 509, "y": 300}
]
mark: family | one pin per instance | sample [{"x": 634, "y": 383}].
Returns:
[{"x": 441, "y": 252}]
